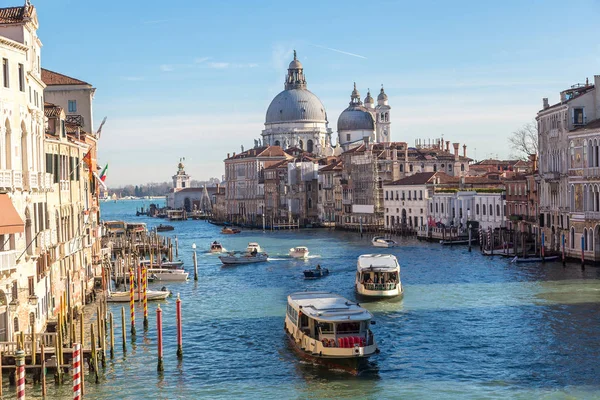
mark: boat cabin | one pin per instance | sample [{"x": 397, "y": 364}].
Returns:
[
  {"x": 378, "y": 271},
  {"x": 330, "y": 319}
]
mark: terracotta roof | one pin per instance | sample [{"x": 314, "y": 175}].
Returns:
[
  {"x": 51, "y": 110},
  {"x": 264, "y": 151},
  {"x": 278, "y": 164},
  {"x": 417, "y": 179},
  {"x": 15, "y": 15},
  {"x": 335, "y": 166},
  {"x": 51, "y": 78}
]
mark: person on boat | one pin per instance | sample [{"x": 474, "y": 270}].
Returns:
[
  {"x": 254, "y": 251},
  {"x": 215, "y": 242},
  {"x": 318, "y": 267}
]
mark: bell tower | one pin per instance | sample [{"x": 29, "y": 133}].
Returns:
[
  {"x": 382, "y": 113},
  {"x": 181, "y": 180}
]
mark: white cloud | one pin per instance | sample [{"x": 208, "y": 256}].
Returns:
[
  {"x": 218, "y": 65},
  {"x": 166, "y": 68}
]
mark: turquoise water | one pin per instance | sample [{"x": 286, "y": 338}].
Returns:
[{"x": 469, "y": 327}]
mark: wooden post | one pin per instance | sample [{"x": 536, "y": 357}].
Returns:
[
  {"x": 177, "y": 246},
  {"x": 94, "y": 354},
  {"x": 124, "y": 330},
  {"x": 139, "y": 282},
  {"x": 102, "y": 341},
  {"x": 33, "y": 346},
  {"x": 112, "y": 336},
  {"x": 132, "y": 302},
  {"x": 160, "y": 367},
  {"x": 564, "y": 262},
  {"x": 59, "y": 360},
  {"x": 145, "y": 295},
  {"x": 179, "y": 329},
  {"x": 43, "y": 369},
  {"x": 1, "y": 374},
  {"x": 195, "y": 263}
]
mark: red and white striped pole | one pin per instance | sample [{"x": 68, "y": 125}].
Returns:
[
  {"x": 160, "y": 367},
  {"x": 179, "y": 331},
  {"x": 132, "y": 300},
  {"x": 20, "y": 363},
  {"x": 139, "y": 282},
  {"x": 76, "y": 371}
]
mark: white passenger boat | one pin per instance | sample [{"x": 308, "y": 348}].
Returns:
[
  {"x": 247, "y": 258},
  {"x": 216, "y": 247},
  {"x": 163, "y": 263},
  {"x": 151, "y": 295},
  {"x": 327, "y": 328},
  {"x": 378, "y": 275},
  {"x": 299, "y": 252},
  {"x": 169, "y": 274},
  {"x": 380, "y": 241},
  {"x": 253, "y": 247}
]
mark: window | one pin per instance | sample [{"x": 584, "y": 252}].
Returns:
[
  {"x": 410, "y": 168},
  {"x": 483, "y": 210},
  {"x": 21, "y": 78},
  {"x": 477, "y": 209},
  {"x": 386, "y": 195},
  {"x": 491, "y": 210},
  {"x": 347, "y": 137},
  {"x": 73, "y": 107},
  {"x": 462, "y": 167},
  {"x": 498, "y": 210},
  {"x": 442, "y": 206},
  {"x": 5, "y": 75},
  {"x": 578, "y": 117},
  {"x": 30, "y": 285},
  {"x": 420, "y": 195}
]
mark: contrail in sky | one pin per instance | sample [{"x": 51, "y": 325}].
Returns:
[{"x": 339, "y": 51}]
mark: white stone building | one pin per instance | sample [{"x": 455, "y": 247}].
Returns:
[
  {"x": 405, "y": 201},
  {"x": 296, "y": 117},
  {"x": 457, "y": 208}
]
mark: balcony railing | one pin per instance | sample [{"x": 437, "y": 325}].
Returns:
[
  {"x": 48, "y": 182},
  {"x": 17, "y": 179},
  {"x": 75, "y": 119},
  {"x": 591, "y": 172},
  {"x": 31, "y": 180},
  {"x": 551, "y": 175},
  {"x": 8, "y": 260},
  {"x": 592, "y": 215},
  {"x": 64, "y": 185},
  {"x": 6, "y": 178}
]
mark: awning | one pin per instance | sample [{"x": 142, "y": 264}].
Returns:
[{"x": 10, "y": 222}]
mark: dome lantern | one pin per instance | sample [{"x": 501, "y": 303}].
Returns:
[{"x": 295, "y": 78}]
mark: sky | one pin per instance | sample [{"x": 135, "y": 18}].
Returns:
[{"x": 194, "y": 79}]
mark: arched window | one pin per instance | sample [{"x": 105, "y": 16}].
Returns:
[
  {"x": 277, "y": 143},
  {"x": 309, "y": 146},
  {"x": 572, "y": 238},
  {"x": 585, "y": 239},
  {"x": 572, "y": 198},
  {"x": 483, "y": 209},
  {"x": 410, "y": 168},
  {"x": 309, "y": 203},
  {"x": 434, "y": 167},
  {"x": 442, "y": 207},
  {"x": 591, "y": 239},
  {"x": 401, "y": 168},
  {"x": 462, "y": 167},
  {"x": 497, "y": 210},
  {"x": 430, "y": 207},
  {"x": 585, "y": 154},
  {"x": 301, "y": 145},
  {"x": 436, "y": 207},
  {"x": 491, "y": 210},
  {"x": 477, "y": 209}
]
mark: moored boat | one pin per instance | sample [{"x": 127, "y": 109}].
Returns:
[
  {"x": 299, "y": 252},
  {"x": 169, "y": 274},
  {"x": 378, "y": 275},
  {"x": 151, "y": 295},
  {"x": 163, "y": 263},
  {"x": 229, "y": 231},
  {"x": 216, "y": 247},
  {"x": 380, "y": 241},
  {"x": 329, "y": 329},
  {"x": 233, "y": 259}
]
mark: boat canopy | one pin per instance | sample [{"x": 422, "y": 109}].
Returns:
[
  {"x": 378, "y": 262},
  {"x": 300, "y": 248},
  {"x": 328, "y": 307}
]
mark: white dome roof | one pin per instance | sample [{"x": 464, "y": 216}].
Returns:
[
  {"x": 355, "y": 118},
  {"x": 296, "y": 105}
]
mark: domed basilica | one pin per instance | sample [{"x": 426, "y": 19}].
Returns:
[{"x": 297, "y": 118}]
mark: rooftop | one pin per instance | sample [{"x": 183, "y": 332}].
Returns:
[
  {"x": 377, "y": 262},
  {"x": 15, "y": 15},
  {"x": 330, "y": 307},
  {"x": 51, "y": 78}
]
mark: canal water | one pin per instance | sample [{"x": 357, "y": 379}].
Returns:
[{"x": 469, "y": 326}]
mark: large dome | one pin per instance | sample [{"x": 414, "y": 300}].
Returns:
[
  {"x": 355, "y": 118},
  {"x": 296, "y": 105}
]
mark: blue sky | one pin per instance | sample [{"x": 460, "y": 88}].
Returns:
[{"x": 194, "y": 79}]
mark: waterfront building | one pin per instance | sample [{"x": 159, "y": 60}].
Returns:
[
  {"x": 405, "y": 201},
  {"x": 296, "y": 117},
  {"x": 303, "y": 193},
  {"x": 522, "y": 205},
  {"x": 432, "y": 156},
  {"x": 245, "y": 180},
  {"x": 568, "y": 170},
  {"x": 330, "y": 193},
  {"x": 276, "y": 190},
  {"x": 456, "y": 208}
]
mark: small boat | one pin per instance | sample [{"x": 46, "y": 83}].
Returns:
[
  {"x": 499, "y": 251},
  {"x": 232, "y": 259},
  {"x": 164, "y": 228},
  {"x": 378, "y": 275},
  {"x": 380, "y": 241},
  {"x": 533, "y": 259},
  {"x": 329, "y": 329},
  {"x": 229, "y": 231},
  {"x": 169, "y": 274},
  {"x": 253, "y": 247},
  {"x": 216, "y": 247},
  {"x": 151, "y": 295},
  {"x": 299, "y": 252},
  {"x": 315, "y": 273}
]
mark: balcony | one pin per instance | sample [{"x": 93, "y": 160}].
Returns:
[
  {"x": 6, "y": 178},
  {"x": 75, "y": 119},
  {"x": 48, "y": 183},
  {"x": 31, "y": 180},
  {"x": 17, "y": 180},
  {"x": 65, "y": 185},
  {"x": 591, "y": 172},
  {"x": 8, "y": 260}
]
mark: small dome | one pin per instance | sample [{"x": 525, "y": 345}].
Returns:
[
  {"x": 355, "y": 118},
  {"x": 369, "y": 99},
  {"x": 382, "y": 95},
  {"x": 295, "y": 64},
  {"x": 296, "y": 105}
]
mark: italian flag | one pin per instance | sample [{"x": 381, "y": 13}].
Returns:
[{"x": 103, "y": 173}]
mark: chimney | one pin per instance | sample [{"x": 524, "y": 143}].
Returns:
[
  {"x": 233, "y": 154},
  {"x": 533, "y": 159},
  {"x": 456, "y": 150},
  {"x": 447, "y": 145},
  {"x": 465, "y": 150},
  {"x": 227, "y": 155},
  {"x": 545, "y": 100}
]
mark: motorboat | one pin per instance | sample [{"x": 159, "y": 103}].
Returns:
[
  {"x": 533, "y": 259},
  {"x": 253, "y": 247},
  {"x": 329, "y": 329},
  {"x": 151, "y": 295},
  {"x": 163, "y": 263},
  {"x": 247, "y": 258},
  {"x": 299, "y": 252},
  {"x": 164, "y": 228},
  {"x": 380, "y": 241},
  {"x": 216, "y": 247},
  {"x": 315, "y": 273},
  {"x": 378, "y": 275},
  {"x": 169, "y": 274},
  {"x": 229, "y": 231}
]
